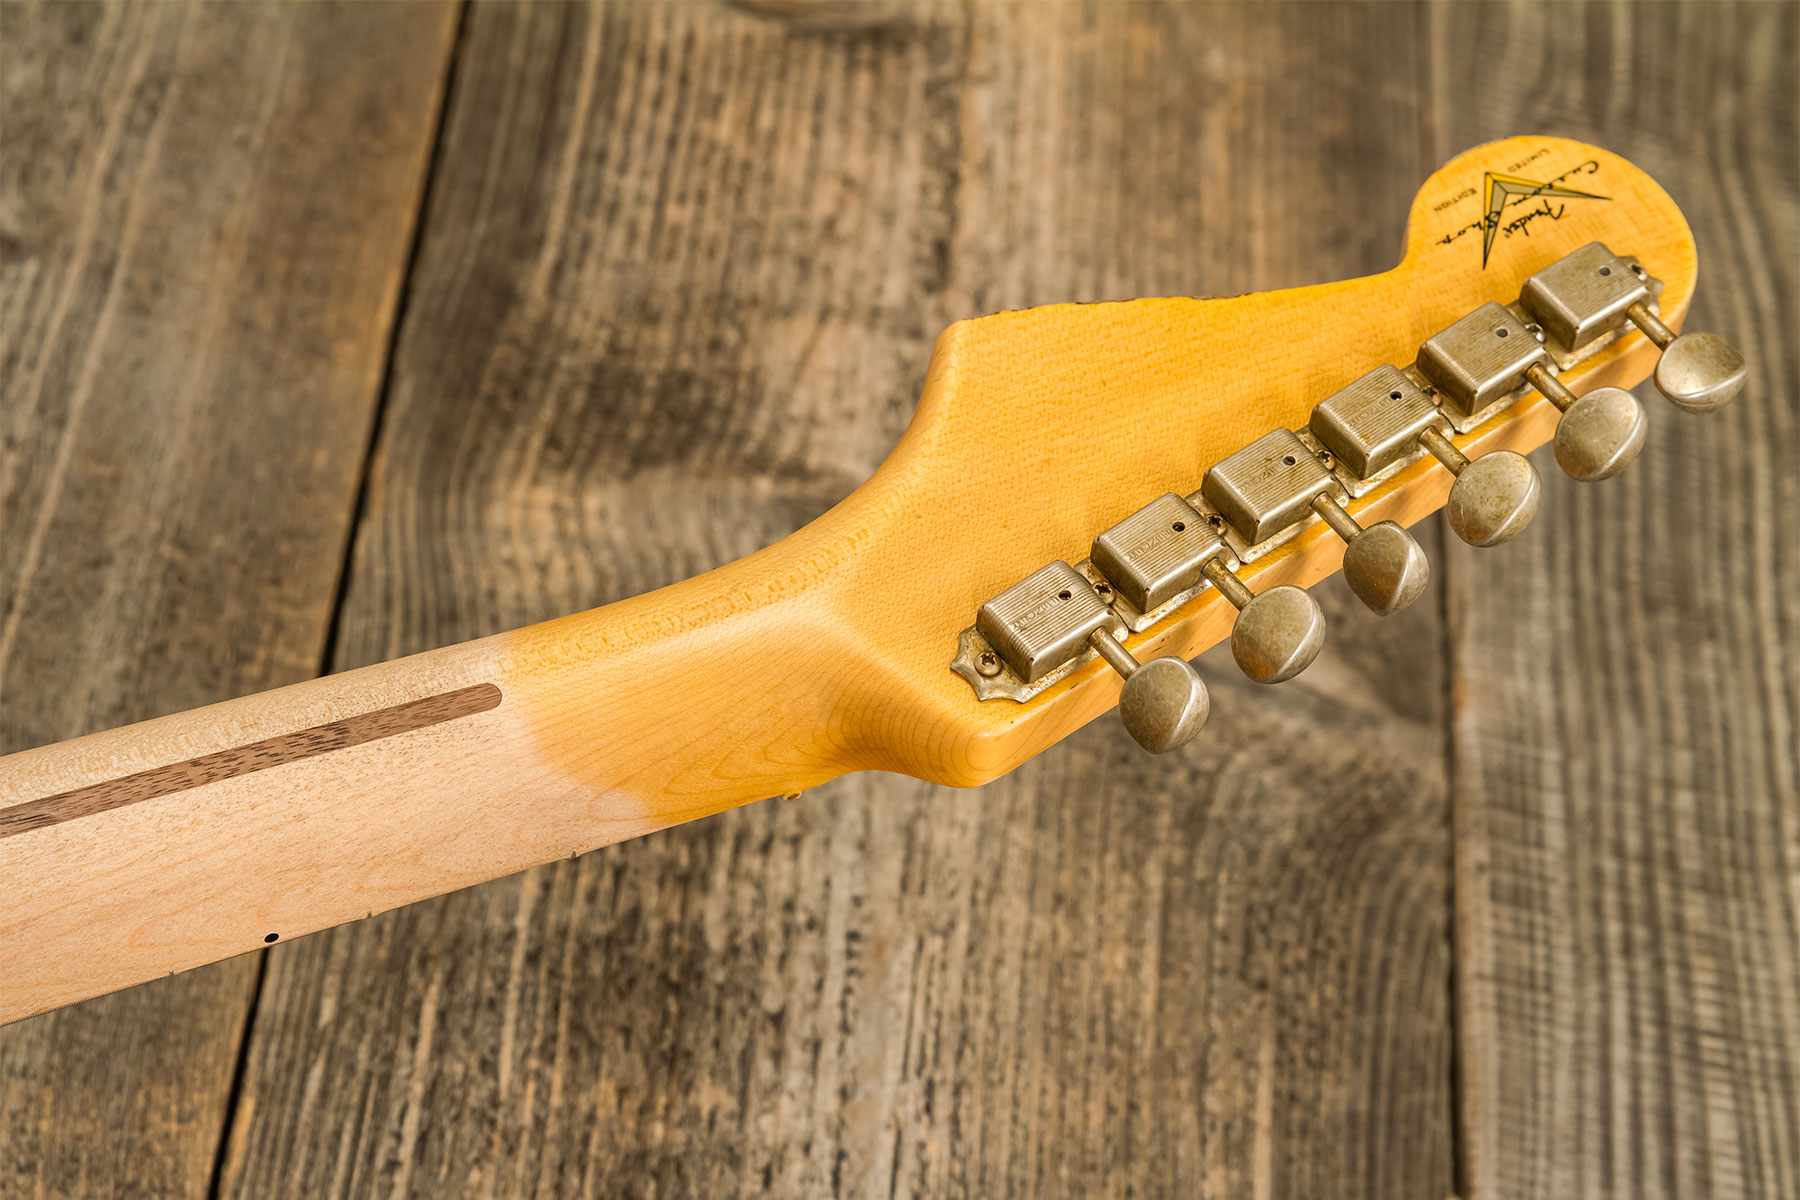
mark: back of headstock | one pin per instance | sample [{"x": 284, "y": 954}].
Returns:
[{"x": 1041, "y": 430}]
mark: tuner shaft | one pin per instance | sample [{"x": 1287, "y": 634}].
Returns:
[{"x": 1652, "y": 325}]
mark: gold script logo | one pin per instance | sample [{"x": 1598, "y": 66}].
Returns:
[{"x": 1510, "y": 204}]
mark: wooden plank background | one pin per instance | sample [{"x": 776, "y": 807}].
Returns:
[
  {"x": 1626, "y": 761},
  {"x": 335, "y": 333}
]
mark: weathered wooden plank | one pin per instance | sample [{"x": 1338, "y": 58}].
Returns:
[
  {"x": 1625, "y": 763},
  {"x": 204, "y": 223},
  {"x": 677, "y": 288}
]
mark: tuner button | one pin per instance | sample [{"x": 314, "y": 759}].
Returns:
[
  {"x": 1382, "y": 564},
  {"x": 1494, "y": 498},
  {"x": 1600, "y": 434},
  {"x": 1699, "y": 372},
  {"x": 1278, "y": 634},
  {"x": 1163, "y": 704},
  {"x": 1386, "y": 568}
]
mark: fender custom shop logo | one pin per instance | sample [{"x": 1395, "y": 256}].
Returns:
[{"x": 1511, "y": 203}]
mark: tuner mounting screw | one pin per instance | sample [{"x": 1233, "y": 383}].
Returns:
[{"x": 988, "y": 664}]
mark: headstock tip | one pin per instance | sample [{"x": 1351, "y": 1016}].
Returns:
[{"x": 1498, "y": 212}]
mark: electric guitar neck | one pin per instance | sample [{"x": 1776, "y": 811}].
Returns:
[{"x": 1088, "y": 496}]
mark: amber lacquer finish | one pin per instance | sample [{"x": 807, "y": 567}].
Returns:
[{"x": 165, "y": 845}]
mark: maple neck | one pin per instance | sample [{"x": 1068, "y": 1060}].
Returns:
[{"x": 179, "y": 841}]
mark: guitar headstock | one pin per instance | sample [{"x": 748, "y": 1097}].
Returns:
[
  {"x": 1110, "y": 483},
  {"x": 921, "y": 625}
]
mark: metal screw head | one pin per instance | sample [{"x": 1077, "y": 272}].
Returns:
[
  {"x": 1163, "y": 704},
  {"x": 1494, "y": 498},
  {"x": 1600, "y": 434},
  {"x": 1385, "y": 568},
  {"x": 987, "y": 663},
  {"x": 1278, "y": 634},
  {"x": 1700, "y": 372}
]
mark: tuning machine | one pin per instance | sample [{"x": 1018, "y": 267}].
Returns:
[
  {"x": 1491, "y": 353},
  {"x": 1271, "y": 486},
  {"x": 1168, "y": 549},
  {"x": 1044, "y": 626},
  {"x": 1384, "y": 418},
  {"x": 1592, "y": 292}
]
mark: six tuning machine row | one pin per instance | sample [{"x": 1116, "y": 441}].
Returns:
[{"x": 1154, "y": 561}]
